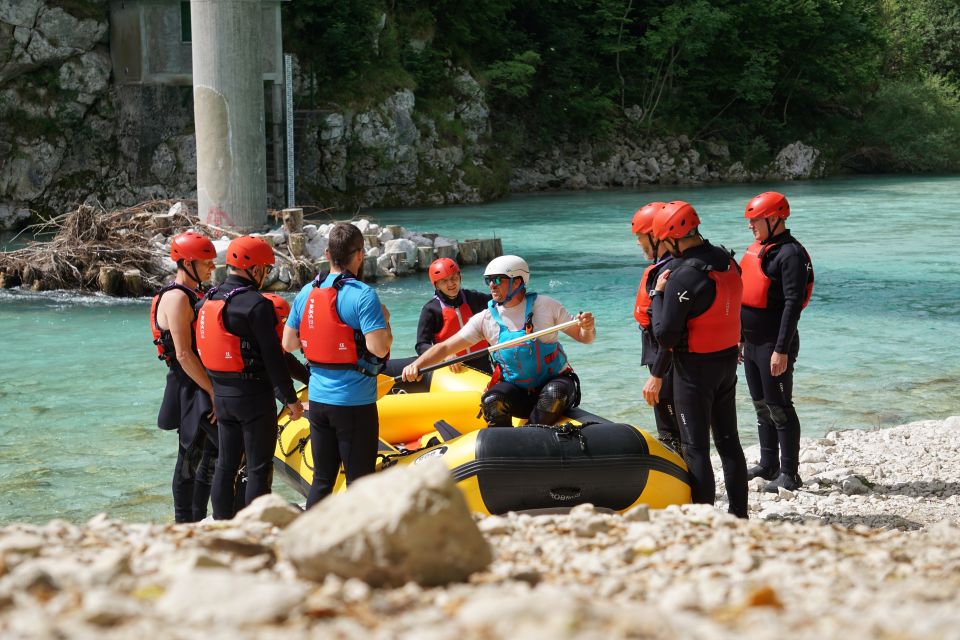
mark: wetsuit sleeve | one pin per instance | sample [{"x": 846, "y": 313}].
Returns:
[
  {"x": 661, "y": 366},
  {"x": 431, "y": 321},
  {"x": 263, "y": 326},
  {"x": 298, "y": 370},
  {"x": 477, "y": 301},
  {"x": 792, "y": 267},
  {"x": 674, "y": 308}
]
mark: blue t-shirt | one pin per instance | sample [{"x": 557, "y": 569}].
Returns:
[{"x": 359, "y": 307}]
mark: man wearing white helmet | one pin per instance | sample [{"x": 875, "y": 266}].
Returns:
[{"x": 532, "y": 380}]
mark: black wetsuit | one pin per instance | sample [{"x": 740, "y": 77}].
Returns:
[
  {"x": 431, "y": 321},
  {"x": 704, "y": 384},
  {"x": 658, "y": 362},
  {"x": 246, "y": 410},
  {"x": 774, "y": 329},
  {"x": 185, "y": 407}
]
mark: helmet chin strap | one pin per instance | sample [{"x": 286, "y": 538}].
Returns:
[
  {"x": 192, "y": 272},
  {"x": 511, "y": 292},
  {"x": 770, "y": 229},
  {"x": 252, "y": 278},
  {"x": 655, "y": 245}
]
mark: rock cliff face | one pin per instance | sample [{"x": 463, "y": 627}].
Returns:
[{"x": 69, "y": 135}]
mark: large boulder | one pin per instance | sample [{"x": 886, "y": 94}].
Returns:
[
  {"x": 404, "y": 524},
  {"x": 797, "y": 161},
  {"x": 404, "y": 246}
]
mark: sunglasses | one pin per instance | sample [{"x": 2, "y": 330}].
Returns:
[{"x": 494, "y": 280}]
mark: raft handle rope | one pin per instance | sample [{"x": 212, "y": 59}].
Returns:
[{"x": 567, "y": 431}]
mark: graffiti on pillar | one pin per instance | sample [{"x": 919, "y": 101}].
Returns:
[{"x": 218, "y": 217}]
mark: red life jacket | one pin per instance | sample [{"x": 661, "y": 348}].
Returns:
[
  {"x": 454, "y": 319},
  {"x": 162, "y": 338},
  {"x": 328, "y": 342},
  {"x": 717, "y": 328},
  {"x": 222, "y": 353},
  {"x": 756, "y": 283},
  {"x": 641, "y": 309}
]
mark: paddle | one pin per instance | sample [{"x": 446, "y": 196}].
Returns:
[{"x": 385, "y": 383}]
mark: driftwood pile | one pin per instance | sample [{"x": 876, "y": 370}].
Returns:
[{"x": 119, "y": 252}]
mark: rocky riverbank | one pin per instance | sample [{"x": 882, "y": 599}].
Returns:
[
  {"x": 868, "y": 548},
  {"x": 126, "y": 252},
  {"x": 73, "y": 131}
]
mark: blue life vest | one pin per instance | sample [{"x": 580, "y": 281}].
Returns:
[{"x": 529, "y": 365}]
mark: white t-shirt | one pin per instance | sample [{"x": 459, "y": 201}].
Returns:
[{"x": 547, "y": 312}]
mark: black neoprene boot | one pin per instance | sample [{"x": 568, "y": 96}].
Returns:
[
  {"x": 760, "y": 471},
  {"x": 789, "y": 481}
]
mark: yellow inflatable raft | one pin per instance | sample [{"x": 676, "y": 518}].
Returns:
[{"x": 584, "y": 459}]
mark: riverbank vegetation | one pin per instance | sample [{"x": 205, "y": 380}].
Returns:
[{"x": 874, "y": 84}]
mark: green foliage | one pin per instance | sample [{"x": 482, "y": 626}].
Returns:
[
  {"x": 335, "y": 41},
  {"x": 925, "y": 35},
  {"x": 513, "y": 78},
  {"x": 913, "y": 126},
  {"x": 755, "y": 73}
]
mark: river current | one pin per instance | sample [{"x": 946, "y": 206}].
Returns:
[{"x": 80, "y": 382}]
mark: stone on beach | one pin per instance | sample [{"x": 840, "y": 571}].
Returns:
[
  {"x": 823, "y": 564},
  {"x": 395, "y": 526},
  {"x": 269, "y": 508}
]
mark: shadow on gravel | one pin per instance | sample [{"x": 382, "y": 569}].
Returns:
[
  {"x": 877, "y": 521},
  {"x": 925, "y": 488}
]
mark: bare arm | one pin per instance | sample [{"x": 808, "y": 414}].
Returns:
[
  {"x": 379, "y": 341},
  {"x": 291, "y": 340},
  {"x": 437, "y": 353},
  {"x": 586, "y": 331},
  {"x": 176, "y": 312}
]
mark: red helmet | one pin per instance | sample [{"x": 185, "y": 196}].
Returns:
[
  {"x": 643, "y": 219},
  {"x": 248, "y": 251},
  {"x": 768, "y": 204},
  {"x": 675, "y": 220},
  {"x": 191, "y": 246},
  {"x": 442, "y": 268},
  {"x": 282, "y": 308}
]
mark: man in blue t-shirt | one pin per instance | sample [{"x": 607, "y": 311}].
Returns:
[{"x": 345, "y": 334}]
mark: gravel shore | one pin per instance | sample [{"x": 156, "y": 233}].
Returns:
[{"x": 869, "y": 547}]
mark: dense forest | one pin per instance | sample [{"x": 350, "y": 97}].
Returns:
[{"x": 873, "y": 83}]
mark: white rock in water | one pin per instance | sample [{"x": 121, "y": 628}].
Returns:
[
  {"x": 406, "y": 523},
  {"x": 363, "y": 224},
  {"x": 420, "y": 240},
  {"x": 385, "y": 236},
  {"x": 316, "y": 247},
  {"x": 311, "y": 231},
  {"x": 402, "y": 246},
  {"x": 440, "y": 241}
]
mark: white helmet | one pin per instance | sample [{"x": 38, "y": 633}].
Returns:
[{"x": 511, "y": 266}]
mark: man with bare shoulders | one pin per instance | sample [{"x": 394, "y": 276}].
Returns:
[{"x": 188, "y": 398}]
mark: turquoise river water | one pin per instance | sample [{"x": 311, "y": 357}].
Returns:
[{"x": 80, "y": 384}]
